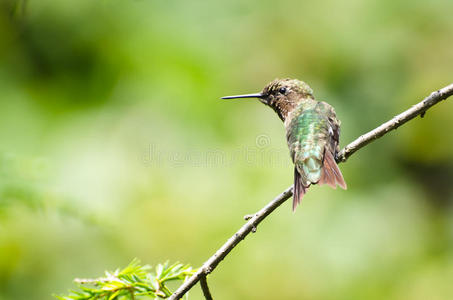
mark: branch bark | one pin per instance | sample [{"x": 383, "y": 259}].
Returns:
[
  {"x": 205, "y": 288},
  {"x": 395, "y": 122},
  {"x": 343, "y": 155}
]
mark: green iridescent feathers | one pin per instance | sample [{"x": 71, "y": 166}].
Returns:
[
  {"x": 312, "y": 131},
  {"x": 313, "y": 136}
]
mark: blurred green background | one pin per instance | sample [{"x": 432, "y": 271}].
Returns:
[{"x": 114, "y": 145}]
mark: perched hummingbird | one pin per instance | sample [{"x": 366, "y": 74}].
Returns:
[{"x": 312, "y": 133}]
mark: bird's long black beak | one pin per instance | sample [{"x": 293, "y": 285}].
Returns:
[{"x": 256, "y": 95}]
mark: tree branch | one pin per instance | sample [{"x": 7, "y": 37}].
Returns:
[
  {"x": 343, "y": 155},
  {"x": 205, "y": 288},
  {"x": 395, "y": 122}
]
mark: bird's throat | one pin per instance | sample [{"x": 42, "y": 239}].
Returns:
[{"x": 285, "y": 109}]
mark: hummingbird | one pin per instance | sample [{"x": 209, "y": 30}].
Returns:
[{"x": 312, "y": 133}]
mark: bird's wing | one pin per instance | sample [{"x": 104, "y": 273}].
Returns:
[
  {"x": 313, "y": 140},
  {"x": 331, "y": 174}
]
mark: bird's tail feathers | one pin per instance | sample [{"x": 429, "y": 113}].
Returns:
[
  {"x": 331, "y": 174},
  {"x": 298, "y": 189}
]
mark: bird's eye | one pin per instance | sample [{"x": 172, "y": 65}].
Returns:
[{"x": 282, "y": 90}]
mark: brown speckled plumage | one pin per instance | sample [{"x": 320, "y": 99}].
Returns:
[{"x": 312, "y": 132}]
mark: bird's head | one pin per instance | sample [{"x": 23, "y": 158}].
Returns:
[{"x": 281, "y": 94}]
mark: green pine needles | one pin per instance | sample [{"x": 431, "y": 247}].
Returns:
[{"x": 133, "y": 282}]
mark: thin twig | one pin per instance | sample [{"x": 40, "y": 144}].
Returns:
[
  {"x": 342, "y": 156},
  {"x": 214, "y": 260},
  {"x": 395, "y": 122},
  {"x": 131, "y": 292},
  {"x": 205, "y": 288}
]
